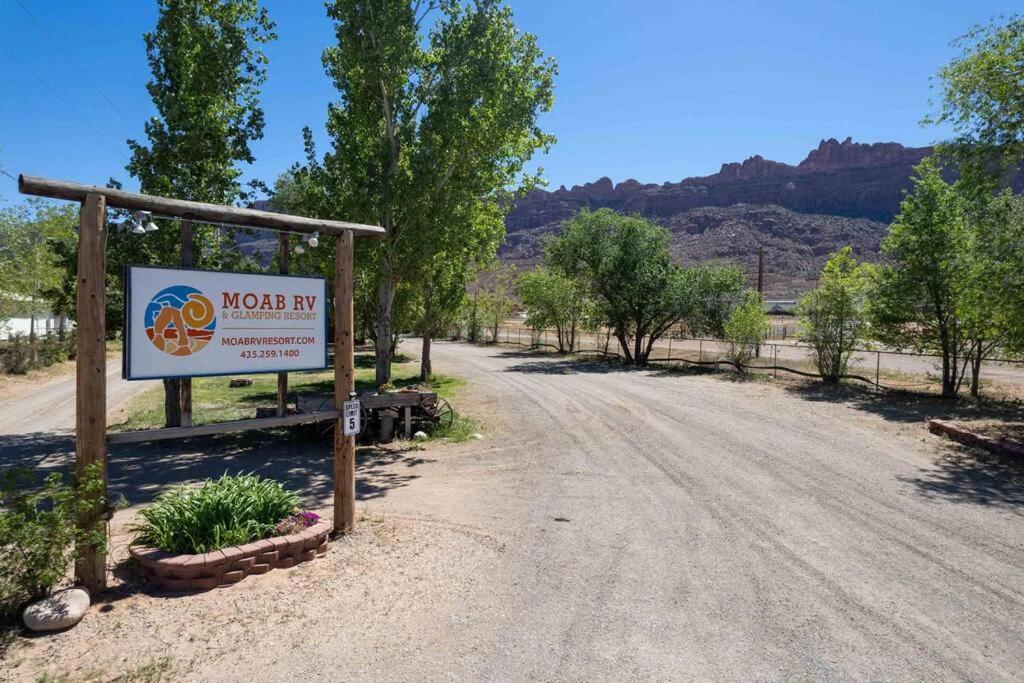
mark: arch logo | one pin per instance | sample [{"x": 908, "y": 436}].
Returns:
[{"x": 180, "y": 320}]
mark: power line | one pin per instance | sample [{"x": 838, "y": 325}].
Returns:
[
  {"x": 59, "y": 97},
  {"x": 73, "y": 63}
]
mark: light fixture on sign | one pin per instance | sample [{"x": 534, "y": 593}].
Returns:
[
  {"x": 299, "y": 249},
  {"x": 313, "y": 240},
  {"x": 135, "y": 224},
  {"x": 147, "y": 221}
]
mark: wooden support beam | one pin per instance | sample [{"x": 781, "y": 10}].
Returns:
[
  {"x": 344, "y": 385},
  {"x": 91, "y": 383},
  {"x": 185, "y": 383},
  {"x": 197, "y": 211},
  {"x": 220, "y": 427},
  {"x": 283, "y": 258}
]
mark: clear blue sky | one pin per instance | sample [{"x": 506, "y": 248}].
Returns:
[{"x": 656, "y": 90}]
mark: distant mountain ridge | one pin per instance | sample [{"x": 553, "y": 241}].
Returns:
[
  {"x": 840, "y": 178},
  {"x": 841, "y": 193}
]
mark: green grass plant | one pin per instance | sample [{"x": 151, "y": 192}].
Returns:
[{"x": 224, "y": 512}]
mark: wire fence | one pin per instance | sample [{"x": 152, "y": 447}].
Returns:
[{"x": 880, "y": 368}]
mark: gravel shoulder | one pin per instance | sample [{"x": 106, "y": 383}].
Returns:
[{"x": 611, "y": 525}]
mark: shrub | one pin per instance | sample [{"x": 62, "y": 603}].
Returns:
[
  {"x": 38, "y": 538},
  {"x": 830, "y": 314},
  {"x": 50, "y": 350},
  {"x": 220, "y": 513},
  {"x": 19, "y": 355},
  {"x": 746, "y": 328}
]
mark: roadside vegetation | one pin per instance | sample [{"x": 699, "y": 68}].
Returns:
[
  {"x": 216, "y": 401},
  {"x": 232, "y": 510},
  {"x": 38, "y": 534}
]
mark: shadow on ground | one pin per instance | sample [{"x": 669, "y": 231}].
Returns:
[
  {"x": 139, "y": 472},
  {"x": 540, "y": 362},
  {"x": 899, "y": 406},
  {"x": 973, "y": 476}
]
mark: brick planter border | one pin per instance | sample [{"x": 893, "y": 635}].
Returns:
[
  {"x": 969, "y": 438},
  {"x": 230, "y": 565}
]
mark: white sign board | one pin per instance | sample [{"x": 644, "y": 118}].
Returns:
[
  {"x": 191, "y": 323},
  {"x": 350, "y": 417}
]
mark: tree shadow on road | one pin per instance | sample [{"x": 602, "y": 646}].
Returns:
[
  {"x": 137, "y": 473},
  {"x": 905, "y": 406},
  {"x": 961, "y": 473},
  {"x": 42, "y": 451},
  {"x": 557, "y": 364},
  {"x": 972, "y": 475}
]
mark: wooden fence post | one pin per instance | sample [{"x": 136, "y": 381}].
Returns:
[
  {"x": 283, "y": 257},
  {"x": 91, "y": 382},
  {"x": 344, "y": 384}
]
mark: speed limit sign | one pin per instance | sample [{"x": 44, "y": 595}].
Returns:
[{"x": 350, "y": 417}]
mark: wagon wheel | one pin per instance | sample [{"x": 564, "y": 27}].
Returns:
[{"x": 440, "y": 415}]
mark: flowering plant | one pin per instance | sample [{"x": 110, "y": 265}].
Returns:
[{"x": 296, "y": 522}]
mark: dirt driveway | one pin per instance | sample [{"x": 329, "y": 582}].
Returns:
[{"x": 616, "y": 525}]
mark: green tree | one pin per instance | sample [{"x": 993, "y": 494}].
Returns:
[
  {"x": 625, "y": 265},
  {"x": 30, "y": 270},
  {"x": 207, "y": 67},
  {"x": 554, "y": 300},
  {"x": 983, "y": 102},
  {"x": 498, "y": 283},
  {"x": 746, "y": 328},
  {"x": 430, "y": 126},
  {"x": 832, "y": 314},
  {"x": 919, "y": 301}
]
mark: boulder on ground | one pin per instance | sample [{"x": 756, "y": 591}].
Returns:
[
  {"x": 61, "y": 610},
  {"x": 419, "y": 435}
]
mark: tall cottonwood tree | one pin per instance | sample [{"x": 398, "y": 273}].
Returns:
[
  {"x": 430, "y": 126},
  {"x": 925, "y": 298},
  {"x": 207, "y": 67},
  {"x": 983, "y": 102}
]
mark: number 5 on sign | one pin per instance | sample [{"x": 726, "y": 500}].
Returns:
[{"x": 350, "y": 417}]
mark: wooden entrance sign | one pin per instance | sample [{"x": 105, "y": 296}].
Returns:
[{"x": 91, "y": 387}]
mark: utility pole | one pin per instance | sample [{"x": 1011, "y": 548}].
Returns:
[{"x": 760, "y": 270}]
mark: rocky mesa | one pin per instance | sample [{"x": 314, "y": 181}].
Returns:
[{"x": 841, "y": 193}]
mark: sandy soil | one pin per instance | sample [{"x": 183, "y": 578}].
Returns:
[{"x": 620, "y": 525}]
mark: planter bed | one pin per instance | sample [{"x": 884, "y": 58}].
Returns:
[{"x": 230, "y": 565}]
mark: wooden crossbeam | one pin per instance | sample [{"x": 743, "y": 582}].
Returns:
[
  {"x": 196, "y": 211},
  {"x": 220, "y": 427}
]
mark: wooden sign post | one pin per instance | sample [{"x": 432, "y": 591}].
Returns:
[
  {"x": 91, "y": 381},
  {"x": 283, "y": 257},
  {"x": 344, "y": 385}
]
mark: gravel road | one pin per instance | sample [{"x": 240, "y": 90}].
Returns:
[
  {"x": 50, "y": 406},
  {"x": 620, "y": 525}
]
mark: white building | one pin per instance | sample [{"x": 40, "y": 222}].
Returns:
[{"x": 45, "y": 321}]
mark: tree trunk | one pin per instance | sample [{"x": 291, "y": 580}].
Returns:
[
  {"x": 624, "y": 343},
  {"x": 638, "y": 346},
  {"x": 425, "y": 369},
  {"x": 172, "y": 403},
  {"x": 976, "y": 359},
  {"x": 32, "y": 337},
  {"x": 386, "y": 289}
]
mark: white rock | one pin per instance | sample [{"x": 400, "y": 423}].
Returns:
[
  {"x": 419, "y": 435},
  {"x": 478, "y": 436},
  {"x": 61, "y": 610}
]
